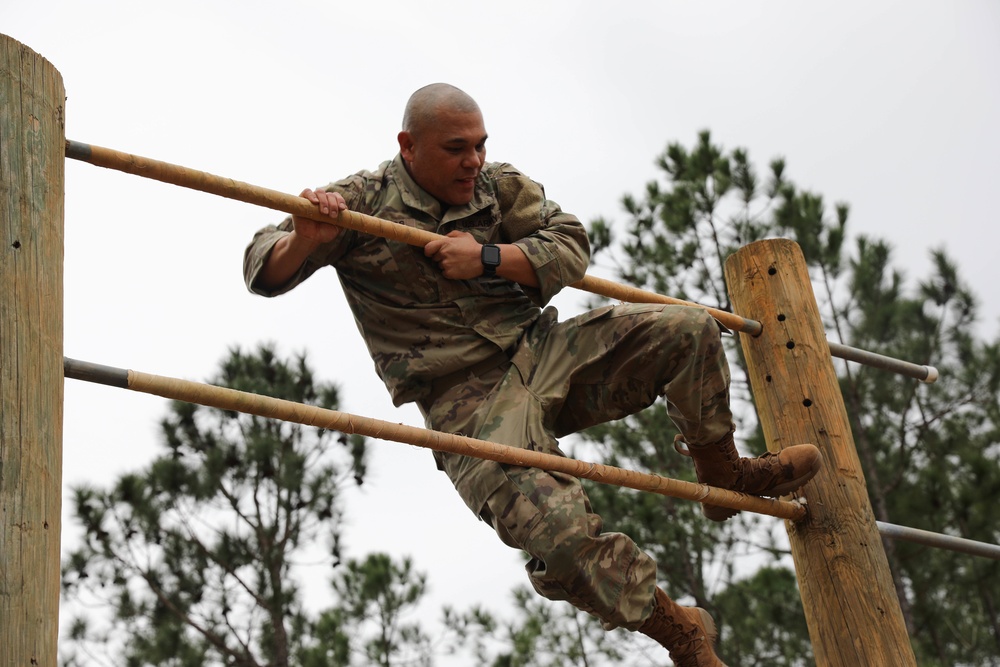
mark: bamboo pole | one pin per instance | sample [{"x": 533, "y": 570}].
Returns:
[
  {"x": 31, "y": 342},
  {"x": 850, "y": 603},
  {"x": 274, "y": 408},
  {"x": 280, "y": 201}
]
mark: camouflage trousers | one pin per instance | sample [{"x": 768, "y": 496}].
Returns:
[{"x": 563, "y": 377}]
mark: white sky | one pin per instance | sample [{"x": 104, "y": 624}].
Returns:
[{"x": 889, "y": 106}]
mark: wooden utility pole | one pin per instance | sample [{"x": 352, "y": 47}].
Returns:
[
  {"x": 850, "y": 604},
  {"x": 32, "y": 145}
]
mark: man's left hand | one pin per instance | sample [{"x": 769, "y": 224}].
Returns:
[{"x": 459, "y": 255}]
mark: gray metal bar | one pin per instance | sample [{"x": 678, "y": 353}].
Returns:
[
  {"x": 78, "y": 150},
  {"x": 926, "y": 374},
  {"x": 88, "y": 372},
  {"x": 938, "y": 540}
]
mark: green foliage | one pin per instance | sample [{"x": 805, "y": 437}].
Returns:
[
  {"x": 763, "y": 619},
  {"x": 193, "y": 555},
  {"x": 930, "y": 451},
  {"x": 678, "y": 236},
  {"x": 542, "y": 634},
  {"x": 374, "y": 597}
]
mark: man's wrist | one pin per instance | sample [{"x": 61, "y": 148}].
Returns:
[{"x": 301, "y": 243}]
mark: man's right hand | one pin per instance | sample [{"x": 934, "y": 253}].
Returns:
[
  {"x": 330, "y": 204},
  {"x": 292, "y": 250}
]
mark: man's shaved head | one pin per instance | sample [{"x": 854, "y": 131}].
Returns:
[
  {"x": 425, "y": 104},
  {"x": 443, "y": 142}
]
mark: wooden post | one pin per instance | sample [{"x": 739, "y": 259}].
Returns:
[
  {"x": 850, "y": 604},
  {"x": 32, "y": 145}
]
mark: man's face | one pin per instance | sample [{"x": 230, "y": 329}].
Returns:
[{"x": 445, "y": 157}]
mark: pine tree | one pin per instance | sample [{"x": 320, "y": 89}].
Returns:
[
  {"x": 930, "y": 451},
  {"x": 367, "y": 625},
  {"x": 541, "y": 634},
  {"x": 194, "y": 555}
]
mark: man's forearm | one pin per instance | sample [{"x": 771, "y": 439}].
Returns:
[
  {"x": 514, "y": 265},
  {"x": 287, "y": 256}
]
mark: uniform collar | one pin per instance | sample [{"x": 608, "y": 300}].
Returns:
[{"x": 416, "y": 197}]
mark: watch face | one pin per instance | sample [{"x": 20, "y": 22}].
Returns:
[{"x": 491, "y": 255}]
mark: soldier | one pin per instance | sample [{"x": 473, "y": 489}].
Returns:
[{"x": 459, "y": 328}]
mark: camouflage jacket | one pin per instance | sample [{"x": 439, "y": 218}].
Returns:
[{"x": 417, "y": 324}]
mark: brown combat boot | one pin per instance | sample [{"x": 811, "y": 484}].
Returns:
[
  {"x": 688, "y": 633},
  {"x": 767, "y": 475}
]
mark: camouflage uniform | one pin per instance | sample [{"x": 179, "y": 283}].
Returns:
[{"x": 481, "y": 358}]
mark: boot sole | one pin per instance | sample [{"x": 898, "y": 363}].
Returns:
[{"x": 718, "y": 513}]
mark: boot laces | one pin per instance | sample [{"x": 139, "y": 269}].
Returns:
[
  {"x": 757, "y": 473},
  {"x": 687, "y": 646}
]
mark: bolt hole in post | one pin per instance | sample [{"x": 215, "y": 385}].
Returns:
[{"x": 771, "y": 271}]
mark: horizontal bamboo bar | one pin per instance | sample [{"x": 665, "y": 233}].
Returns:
[
  {"x": 244, "y": 192},
  {"x": 280, "y": 201},
  {"x": 292, "y": 204},
  {"x": 274, "y": 408},
  {"x": 630, "y": 294}
]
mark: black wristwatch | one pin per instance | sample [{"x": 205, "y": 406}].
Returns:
[{"x": 490, "y": 256}]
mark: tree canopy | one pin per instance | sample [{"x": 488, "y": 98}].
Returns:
[
  {"x": 195, "y": 555},
  {"x": 930, "y": 451}
]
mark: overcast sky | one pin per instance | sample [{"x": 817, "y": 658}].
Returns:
[{"x": 889, "y": 106}]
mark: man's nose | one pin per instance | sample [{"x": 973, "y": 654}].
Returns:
[{"x": 472, "y": 160}]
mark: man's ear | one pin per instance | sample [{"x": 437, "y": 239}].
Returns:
[{"x": 405, "y": 145}]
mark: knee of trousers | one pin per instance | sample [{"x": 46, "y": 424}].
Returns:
[
  {"x": 566, "y": 559},
  {"x": 690, "y": 321},
  {"x": 583, "y": 563},
  {"x": 685, "y": 335},
  {"x": 606, "y": 575}
]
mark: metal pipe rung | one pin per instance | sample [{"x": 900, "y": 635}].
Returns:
[{"x": 938, "y": 540}]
